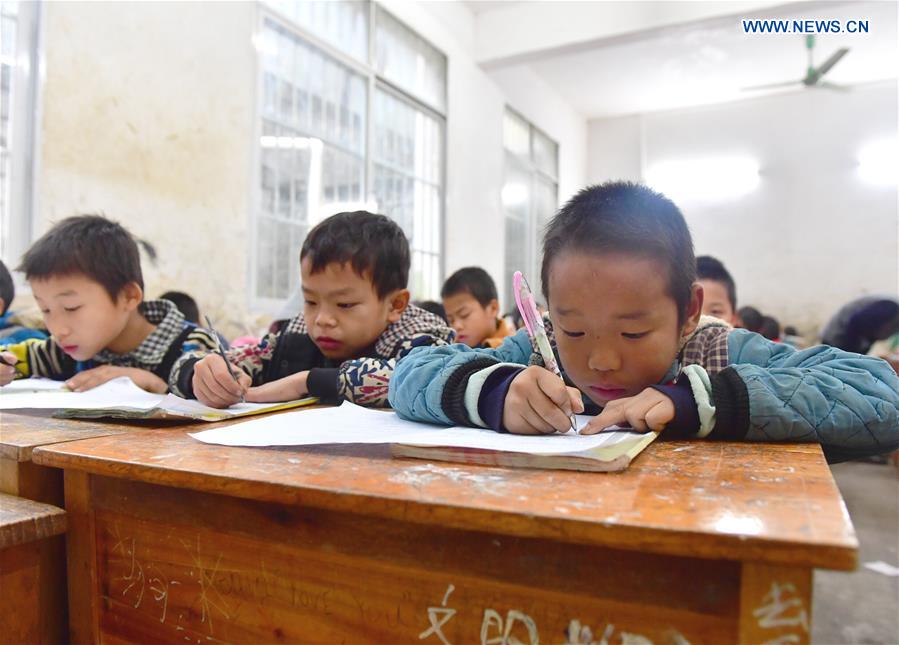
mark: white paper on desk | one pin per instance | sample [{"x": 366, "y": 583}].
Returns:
[
  {"x": 37, "y": 384},
  {"x": 350, "y": 423},
  {"x": 117, "y": 393}
]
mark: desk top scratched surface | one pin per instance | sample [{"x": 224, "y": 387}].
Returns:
[
  {"x": 754, "y": 502},
  {"x": 23, "y": 430}
]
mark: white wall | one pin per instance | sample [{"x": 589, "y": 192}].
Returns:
[
  {"x": 812, "y": 235},
  {"x": 148, "y": 117}
]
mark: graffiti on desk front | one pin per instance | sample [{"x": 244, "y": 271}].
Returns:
[
  {"x": 208, "y": 591},
  {"x": 783, "y": 607},
  {"x": 518, "y": 628}
]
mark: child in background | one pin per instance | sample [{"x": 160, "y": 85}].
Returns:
[
  {"x": 770, "y": 328},
  {"x": 434, "y": 307},
  {"x": 625, "y": 320},
  {"x": 472, "y": 308},
  {"x": 749, "y": 318},
  {"x": 356, "y": 323},
  {"x": 86, "y": 277},
  {"x": 718, "y": 288},
  {"x": 861, "y": 323},
  {"x": 188, "y": 306},
  {"x": 12, "y": 330}
]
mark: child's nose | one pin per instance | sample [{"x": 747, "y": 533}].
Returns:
[
  {"x": 604, "y": 359},
  {"x": 325, "y": 319}
]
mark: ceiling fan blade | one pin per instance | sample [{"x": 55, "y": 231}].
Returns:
[
  {"x": 769, "y": 86},
  {"x": 827, "y": 65}
]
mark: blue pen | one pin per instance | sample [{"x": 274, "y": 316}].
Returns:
[{"x": 534, "y": 324}]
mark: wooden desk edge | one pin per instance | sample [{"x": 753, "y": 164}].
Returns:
[{"x": 654, "y": 539}]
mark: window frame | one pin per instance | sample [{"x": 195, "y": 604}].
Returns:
[
  {"x": 26, "y": 111},
  {"x": 266, "y": 12},
  {"x": 532, "y": 234}
]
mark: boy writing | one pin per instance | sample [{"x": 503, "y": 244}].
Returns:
[
  {"x": 472, "y": 308},
  {"x": 86, "y": 277},
  {"x": 356, "y": 322},
  {"x": 624, "y": 306}
]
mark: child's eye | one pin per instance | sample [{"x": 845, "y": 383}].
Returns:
[
  {"x": 71, "y": 309},
  {"x": 309, "y": 302},
  {"x": 635, "y": 336},
  {"x": 347, "y": 305},
  {"x": 45, "y": 311},
  {"x": 573, "y": 334}
]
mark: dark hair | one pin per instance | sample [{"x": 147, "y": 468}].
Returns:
[
  {"x": 789, "y": 330},
  {"x": 770, "y": 328},
  {"x": 434, "y": 307},
  {"x": 370, "y": 243},
  {"x": 471, "y": 280},
  {"x": 751, "y": 317},
  {"x": 92, "y": 245},
  {"x": 709, "y": 268},
  {"x": 621, "y": 216},
  {"x": 185, "y": 304},
  {"x": 7, "y": 288}
]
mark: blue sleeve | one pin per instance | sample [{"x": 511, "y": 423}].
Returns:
[
  {"x": 847, "y": 402},
  {"x": 430, "y": 380}
]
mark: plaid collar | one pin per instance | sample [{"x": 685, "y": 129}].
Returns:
[
  {"x": 169, "y": 324},
  {"x": 414, "y": 321}
]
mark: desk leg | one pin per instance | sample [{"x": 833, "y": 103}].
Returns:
[
  {"x": 82, "y": 553},
  {"x": 775, "y": 604}
]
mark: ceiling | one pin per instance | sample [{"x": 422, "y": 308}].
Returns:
[{"x": 709, "y": 62}]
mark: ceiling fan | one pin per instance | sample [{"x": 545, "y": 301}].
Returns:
[{"x": 813, "y": 75}]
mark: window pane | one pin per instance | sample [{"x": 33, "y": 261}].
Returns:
[
  {"x": 408, "y": 184},
  {"x": 342, "y": 24},
  {"x": 516, "y": 197},
  {"x": 408, "y": 60},
  {"x": 545, "y": 154},
  {"x": 312, "y": 152},
  {"x": 544, "y": 208},
  {"x": 516, "y": 135}
]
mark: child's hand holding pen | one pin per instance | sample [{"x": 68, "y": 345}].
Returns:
[
  {"x": 539, "y": 402},
  {"x": 7, "y": 368},
  {"x": 216, "y": 385}
]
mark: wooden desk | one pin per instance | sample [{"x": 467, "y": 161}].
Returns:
[
  {"x": 21, "y": 431},
  {"x": 178, "y": 541}
]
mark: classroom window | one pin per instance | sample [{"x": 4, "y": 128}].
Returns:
[
  {"x": 19, "y": 31},
  {"x": 345, "y": 126},
  {"x": 530, "y": 196}
]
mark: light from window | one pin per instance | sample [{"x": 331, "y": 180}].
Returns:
[{"x": 878, "y": 162}]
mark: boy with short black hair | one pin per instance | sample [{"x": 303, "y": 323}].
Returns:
[
  {"x": 356, "y": 322},
  {"x": 625, "y": 321},
  {"x": 719, "y": 290},
  {"x": 12, "y": 328},
  {"x": 472, "y": 308},
  {"x": 86, "y": 277}
]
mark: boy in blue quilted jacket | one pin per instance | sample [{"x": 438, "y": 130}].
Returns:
[{"x": 625, "y": 321}]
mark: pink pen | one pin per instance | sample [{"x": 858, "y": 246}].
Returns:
[{"x": 533, "y": 322}]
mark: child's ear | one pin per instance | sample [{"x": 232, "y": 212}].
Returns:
[
  {"x": 2, "y": 306},
  {"x": 131, "y": 296},
  {"x": 493, "y": 308},
  {"x": 694, "y": 310},
  {"x": 399, "y": 300}
]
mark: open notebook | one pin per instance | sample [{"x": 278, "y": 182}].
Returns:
[
  {"x": 349, "y": 423},
  {"x": 121, "y": 399}
]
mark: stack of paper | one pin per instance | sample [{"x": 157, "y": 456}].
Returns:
[{"x": 121, "y": 399}]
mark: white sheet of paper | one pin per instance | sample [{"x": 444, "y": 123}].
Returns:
[
  {"x": 350, "y": 423},
  {"x": 37, "y": 384},
  {"x": 117, "y": 393},
  {"x": 120, "y": 394}
]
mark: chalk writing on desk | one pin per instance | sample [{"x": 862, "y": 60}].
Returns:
[
  {"x": 503, "y": 630},
  {"x": 782, "y": 608},
  {"x": 139, "y": 575},
  {"x": 443, "y": 614},
  {"x": 209, "y": 598},
  {"x": 578, "y": 634}
]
